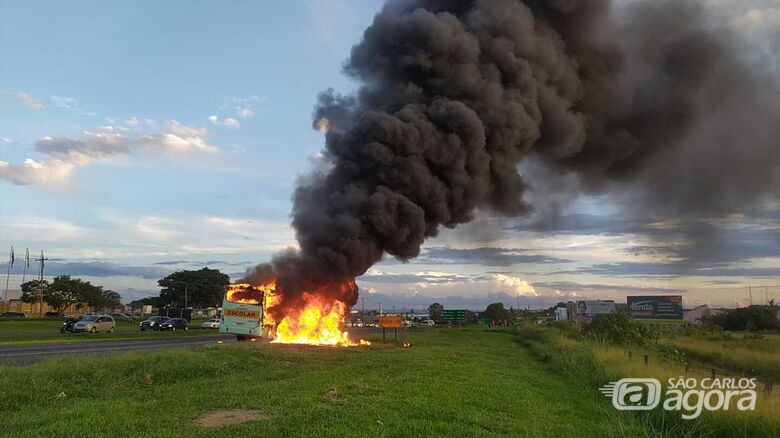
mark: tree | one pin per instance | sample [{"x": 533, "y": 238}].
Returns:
[
  {"x": 752, "y": 318},
  {"x": 200, "y": 288},
  {"x": 497, "y": 312},
  {"x": 436, "y": 311},
  {"x": 107, "y": 300},
  {"x": 32, "y": 289},
  {"x": 65, "y": 291}
]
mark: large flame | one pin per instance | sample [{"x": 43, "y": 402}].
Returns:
[{"x": 313, "y": 320}]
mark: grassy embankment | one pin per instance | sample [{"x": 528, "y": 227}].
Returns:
[
  {"x": 598, "y": 363},
  {"x": 37, "y": 331},
  {"x": 450, "y": 382},
  {"x": 526, "y": 382}
]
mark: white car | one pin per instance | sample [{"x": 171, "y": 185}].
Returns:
[
  {"x": 95, "y": 323},
  {"x": 210, "y": 324}
]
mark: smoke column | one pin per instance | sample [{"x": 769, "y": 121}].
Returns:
[{"x": 455, "y": 94}]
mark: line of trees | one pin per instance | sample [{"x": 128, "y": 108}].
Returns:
[
  {"x": 202, "y": 288},
  {"x": 64, "y": 291}
]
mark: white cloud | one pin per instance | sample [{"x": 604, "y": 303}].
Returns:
[
  {"x": 34, "y": 172},
  {"x": 70, "y": 104},
  {"x": 24, "y": 98},
  {"x": 244, "y": 112},
  {"x": 67, "y": 153},
  {"x": 517, "y": 286},
  {"x": 132, "y": 122},
  {"x": 228, "y": 122}
]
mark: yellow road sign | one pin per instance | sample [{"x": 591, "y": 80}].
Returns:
[{"x": 389, "y": 321}]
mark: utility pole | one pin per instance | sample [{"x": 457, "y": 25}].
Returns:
[
  {"x": 26, "y": 264},
  {"x": 380, "y": 309},
  {"x": 362, "y": 307},
  {"x": 40, "y": 284},
  {"x": 8, "y": 275},
  {"x": 766, "y": 296},
  {"x": 750, "y": 292}
]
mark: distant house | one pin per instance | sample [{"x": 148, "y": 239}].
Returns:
[{"x": 697, "y": 313}]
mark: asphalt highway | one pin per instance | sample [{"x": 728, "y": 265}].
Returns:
[{"x": 24, "y": 354}]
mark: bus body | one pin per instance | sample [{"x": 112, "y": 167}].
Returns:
[{"x": 242, "y": 312}]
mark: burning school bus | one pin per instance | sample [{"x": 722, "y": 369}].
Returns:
[{"x": 248, "y": 312}]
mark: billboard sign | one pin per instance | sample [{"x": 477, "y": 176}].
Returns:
[
  {"x": 587, "y": 309},
  {"x": 656, "y": 307},
  {"x": 595, "y": 307}
]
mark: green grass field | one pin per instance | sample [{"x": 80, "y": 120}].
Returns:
[
  {"x": 450, "y": 382},
  {"x": 36, "y": 331},
  {"x": 735, "y": 352}
]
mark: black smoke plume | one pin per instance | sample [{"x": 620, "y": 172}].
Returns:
[{"x": 455, "y": 94}]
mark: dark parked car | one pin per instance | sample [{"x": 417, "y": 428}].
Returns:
[
  {"x": 175, "y": 324},
  {"x": 153, "y": 323},
  {"x": 12, "y": 315},
  {"x": 67, "y": 326},
  {"x": 52, "y": 315}
]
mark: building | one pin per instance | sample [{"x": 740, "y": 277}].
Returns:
[
  {"x": 15, "y": 304},
  {"x": 697, "y": 313}
]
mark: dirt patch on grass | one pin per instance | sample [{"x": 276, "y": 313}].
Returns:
[
  {"x": 233, "y": 416},
  {"x": 333, "y": 395}
]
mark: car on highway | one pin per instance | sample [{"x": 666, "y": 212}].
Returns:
[
  {"x": 427, "y": 323},
  {"x": 153, "y": 323},
  {"x": 210, "y": 324},
  {"x": 175, "y": 324},
  {"x": 357, "y": 323},
  {"x": 94, "y": 324},
  {"x": 122, "y": 317},
  {"x": 12, "y": 315}
]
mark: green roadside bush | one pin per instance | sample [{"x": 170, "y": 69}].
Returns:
[{"x": 619, "y": 329}]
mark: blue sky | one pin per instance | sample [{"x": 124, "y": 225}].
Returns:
[{"x": 191, "y": 122}]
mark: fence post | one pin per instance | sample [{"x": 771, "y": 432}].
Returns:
[
  {"x": 646, "y": 359},
  {"x": 714, "y": 372},
  {"x": 768, "y": 387},
  {"x": 686, "y": 368},
  {"x": 629, "y": 355}
]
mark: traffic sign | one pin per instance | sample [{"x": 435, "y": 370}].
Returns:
[
  {"x": 389, "y": 321},
  {"x": 454, "y": 315}
]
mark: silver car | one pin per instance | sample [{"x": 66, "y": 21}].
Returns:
[{"x": 95, "y": 323}]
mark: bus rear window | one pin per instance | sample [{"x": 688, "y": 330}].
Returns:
[{"x": 244, "y": 294}]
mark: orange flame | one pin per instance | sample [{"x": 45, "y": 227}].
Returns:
[
  {"x": 317, "y": 321},
  {"x": 242, "y": 293}
]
